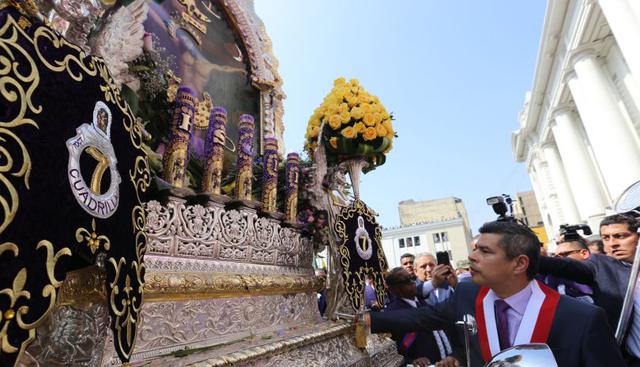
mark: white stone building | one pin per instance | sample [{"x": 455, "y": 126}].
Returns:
[
  {"x": 578, "y": 132},
  {"x": 447, "y": 235}
]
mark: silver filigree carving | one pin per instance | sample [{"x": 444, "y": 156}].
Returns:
[
  {"x": 174, "y": 325},
  {"x": 321, "y": 354},
  {"x": 72, "y": 337},
  {"x": 212, "y": 233}
]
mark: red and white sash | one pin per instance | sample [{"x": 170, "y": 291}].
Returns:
[{"x": 534, "y": 327}]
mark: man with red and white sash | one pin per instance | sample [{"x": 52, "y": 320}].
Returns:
[{"x": 511, "y": 308}]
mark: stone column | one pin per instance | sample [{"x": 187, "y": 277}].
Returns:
[
  {"x": 565, "y": 196},
  {"x": 612, "y": 138},
  {"x": 582, "y": 175},
  {"x": 623, "y": 21},
  {"x": 550, "y": 196},
  {"x": 540, "y": 199}
]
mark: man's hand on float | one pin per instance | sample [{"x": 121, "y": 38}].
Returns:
[
  {"x": 366, "y": 317},
  {"x": 448, "y": 362}
]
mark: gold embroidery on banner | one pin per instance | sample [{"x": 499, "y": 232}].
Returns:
[
  {"x": 92, "y": 239},
  {"x": 355, "y": 287},
  {"x": 127, "y": 311},
  {"x": 19, "y": 91},
  {"x": 98, "y": 172},
  {"x": 17, "y": 292}
]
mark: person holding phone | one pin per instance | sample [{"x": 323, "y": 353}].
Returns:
[{"x": 436, "y": 281}]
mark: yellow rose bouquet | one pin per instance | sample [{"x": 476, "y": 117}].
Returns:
[{"x": 351, "y": 123}]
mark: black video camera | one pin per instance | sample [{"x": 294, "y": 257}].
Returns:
[
  {"x": 570, "y": 232},
  {"x": 502, "y": 205}
]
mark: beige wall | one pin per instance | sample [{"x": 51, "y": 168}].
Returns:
[
  {"x": 526, "y": 208},
  {"x": 458, "y": 239}
]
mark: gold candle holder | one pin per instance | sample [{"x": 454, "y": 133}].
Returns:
[
  {"x": 176, "y": 155},
  {"x": 214, "y": 151},
  {"x": 245, "y": 158},
  {"x": 270, "y": 175}
]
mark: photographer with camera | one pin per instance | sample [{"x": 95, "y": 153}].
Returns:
[
  {"x": 573, "y": 246},
  {"x": 608, "y": 275}
]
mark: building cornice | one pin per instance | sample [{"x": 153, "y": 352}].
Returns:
[
  {"x": 421, "y": 227},
  {"x": 555, "y": 15},
  {"x": 572, "y": 30}
]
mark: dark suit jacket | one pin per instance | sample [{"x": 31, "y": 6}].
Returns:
[
  {"x": 580, "y": 335},
  {"x": 607, "y": 277},
  {"x": 424, "y": 345}
]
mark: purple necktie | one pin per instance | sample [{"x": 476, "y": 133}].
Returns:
[{"x": 502, "y": 323}]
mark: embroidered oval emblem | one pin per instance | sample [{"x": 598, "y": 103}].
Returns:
[{"x": 95, "y": 140}]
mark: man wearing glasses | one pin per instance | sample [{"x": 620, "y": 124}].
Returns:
[
  {"x": 608, "y": 275},
  {"x": 576, "y": 248}
]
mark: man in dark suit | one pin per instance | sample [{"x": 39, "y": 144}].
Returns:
[
  {"x": 511, "y": 308},
  {"x": 607, "y": 275},
  {"x": 419, "y": 348}
]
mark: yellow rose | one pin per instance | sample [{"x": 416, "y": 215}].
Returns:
[
  {"x": 377, "y": 117},
  {"x": 339, "y": 81},
  {"x": 359, "y": 127},
  {"x": 334, "y": 142},
  {"x": 369, "y": 119},
  {"x": 345, "y": 117},
  {"x": 354, "y": 82},
  {"x": 370, "y": 133},
  {"x": 357, "y": 113},
  {"x": 363, "y": 98},
  {"x": 314, "y": 131},
  {"x": 335, "y": 121},
  {"x": 343, "y": 107},
  {"x": 351, "y": 100},
  {"x": 348, "y": 132},
  {"x": 380, "y": 130},
  {"x": 365, "y": 107}
]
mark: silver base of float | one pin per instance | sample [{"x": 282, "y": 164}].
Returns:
[{"x": 223, "y": 287}]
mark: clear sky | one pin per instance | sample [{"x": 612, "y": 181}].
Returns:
[{"x": 454, "y": 74}]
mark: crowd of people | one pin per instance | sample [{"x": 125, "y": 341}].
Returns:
[{"x": 517, "y": 294}]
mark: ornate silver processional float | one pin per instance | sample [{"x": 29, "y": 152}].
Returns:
[{"x": 183, "y": 236}]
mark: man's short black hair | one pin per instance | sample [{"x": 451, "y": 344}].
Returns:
[
  {"x": 630, "y": 221},
  {"x": 516, "y": 240},
  {"x": 407, "y": 255},
  {"x": 582, "y": 243},
  {"x": 599, "y": 244},
  {"x": 397, "y": 276}
]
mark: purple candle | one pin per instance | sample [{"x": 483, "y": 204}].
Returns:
[
  {"x": 176, "y": 155},
  {"x": 292, "y": 171},
  {"x": 214, "y": 151},
  {"x": 270, "y": 175},
  {"x": 244, "y": 161}
]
